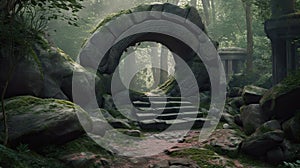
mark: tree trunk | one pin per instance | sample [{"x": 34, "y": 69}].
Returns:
[
  {"x": 213, "y": 11},
  {"x": 193, "y": 3},
  {"x": 155, "y": 60},
  {"x": 164, "y": 54},
  {"x": 5, "y": 125},
  {"x": 206, "y": 11},
  {"x": 250, "y": 42}
]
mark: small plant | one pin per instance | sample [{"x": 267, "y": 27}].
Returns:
[
  {"x": 295, "y": 164},
  {"x": 23, "y": 148}
]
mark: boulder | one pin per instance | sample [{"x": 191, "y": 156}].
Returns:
[
  {"x": 276, "y": 155},
  {"x": 39, "y": 122},
  {"x": 282, "y": 101},
  {"x": 252, "y": 117},
  {"x": 290, "y": 150},
  {"x": 50, "y": 77},
  {"x": 292, "y": 128},
  {"x": 268, "y": 126},
  {"x": 259, "y": 144},
  {"x": 253, "y": 94}
]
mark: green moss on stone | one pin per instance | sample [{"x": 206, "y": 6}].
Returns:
[
  {"x": 110, "y": 18},
  {"x": 290, "y": 83},
  {"x": 200, "y": 155},
  {"x": 25, "y": 104}
]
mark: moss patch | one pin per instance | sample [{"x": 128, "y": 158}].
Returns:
[
  {"x": 291, "y": 82},
  {"x": 200, "y": 155},
  {"x": 110, "y": 18},
  {"x": 25, "y": 104},
  {"x": 83, "y": 144},
  {"x": 242, "y": 158}
]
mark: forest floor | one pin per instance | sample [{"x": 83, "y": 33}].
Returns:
[{"x": 216, "y": 152}]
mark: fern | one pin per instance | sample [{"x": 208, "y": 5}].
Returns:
[{"x": 295, "y": 164}]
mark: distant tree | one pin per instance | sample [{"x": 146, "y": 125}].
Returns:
[
  {"x": 205, "y": 4},
  {"x": 250, "y": 42}
]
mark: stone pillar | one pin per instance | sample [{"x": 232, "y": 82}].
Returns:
[
  {"x": 282, "y": 7},
  {"x": 282, "y": 30},
  {"x": 279, "y": 60}
]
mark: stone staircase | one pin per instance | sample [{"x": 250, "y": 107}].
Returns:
[{"x": 159, "y": 113}]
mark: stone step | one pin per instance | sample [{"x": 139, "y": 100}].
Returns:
[
  {"x": 156, "y": 104},
  {"x": 166, "y": 110},
  {"x": 178, "y": 124},
  {"x": 158, "y": 98},
  {"x": 170, "y": 116}
]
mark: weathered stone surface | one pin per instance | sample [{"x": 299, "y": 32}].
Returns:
[
  {"x": 51, "y": 79},
  {"x": 226, "y": 140},
  {"x": 260, "y": 144},
  {"x": 39, "y": 122},
  {"x": 290, "y": 150},
  {"x": 267, "y": 127},
  {"x": 145, "y": 21},
  {"x": 84, "y": 160},
  {"x": 275, "y": 156},
  {"x": 252, "y": 118},
  {"x": 118, "y": 123},
  {"x": 282, "y": 101},
  {"x": 253, "y": 94},
  {"x": 134, "y": 133},
  {"x": 292, "y": 128},
  {"x": 179, "y": 162}
]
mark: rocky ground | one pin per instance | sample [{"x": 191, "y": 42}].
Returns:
[{"x": 46, "y": 133}]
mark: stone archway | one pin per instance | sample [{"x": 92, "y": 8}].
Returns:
[{"x": 109, "y": 40}]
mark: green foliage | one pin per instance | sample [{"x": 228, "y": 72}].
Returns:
[
  {"x": 295, "y": 164},
  {"x": 23, "y": 148},
  {"x": 200, "y": 155},
  {"x": 291, "y": 82},
  {"x": 251, "y": 78},
  {"x": 22, "y": 104},
  {"x": 13, "y": 159}
]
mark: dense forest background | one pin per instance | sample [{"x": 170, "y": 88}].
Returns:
[{"x": 232, "y": 23}]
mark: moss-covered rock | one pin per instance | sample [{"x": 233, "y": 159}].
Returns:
[
  {"x": 202, "y": 156},
  {"x": 252, "y": 94},
  {"x": 282, "y": 101},
  {"x": 50, "y": 75},
  {"x": 252, "y": 117},
  {"x": 38, "y": 122},
  {"x": 292, "y": 128},
  {"x": 259, "y": 144}
]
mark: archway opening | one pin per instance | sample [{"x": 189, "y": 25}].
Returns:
[{"x": 146, "y": 66}]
